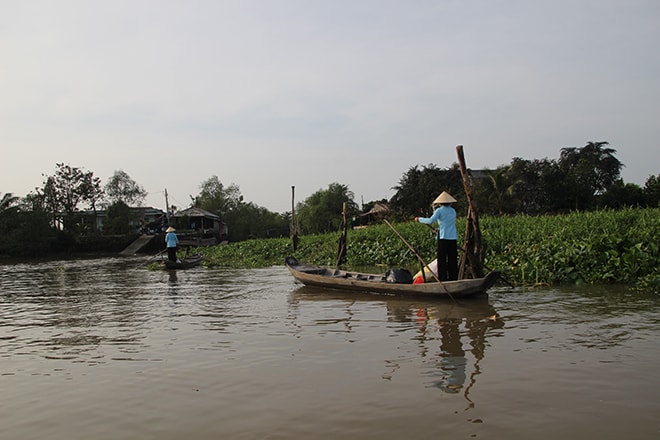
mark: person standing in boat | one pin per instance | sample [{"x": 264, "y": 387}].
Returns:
[
  {"x": 446, "y": 236},
  {"x": 172, "y": 242}
]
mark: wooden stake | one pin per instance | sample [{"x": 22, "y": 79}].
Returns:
[
  {"x": 473, "y": 247},
  {"x": 341, "y": 250},
  {"x": 292, "y": 227}
]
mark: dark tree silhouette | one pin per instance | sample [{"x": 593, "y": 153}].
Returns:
[{"x": 589, "y": 172}]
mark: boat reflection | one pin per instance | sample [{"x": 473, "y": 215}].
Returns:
[{"x": 450, "y": 337}]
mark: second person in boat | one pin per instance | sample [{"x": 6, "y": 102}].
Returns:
[{"x": 172, "y": 241}]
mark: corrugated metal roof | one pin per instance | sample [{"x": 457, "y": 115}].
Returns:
[{"x": 197, "y": 212}]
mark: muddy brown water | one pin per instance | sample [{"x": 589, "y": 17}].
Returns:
[{"x": 106, "y": 349}]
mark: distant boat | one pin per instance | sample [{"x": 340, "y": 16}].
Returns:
[
  {"x": 322, "y": 276},
  {"x": 186, "y": 263}
]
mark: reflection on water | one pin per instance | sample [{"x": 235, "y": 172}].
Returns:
[
  {"x": 450, "y": 336},
  {"x": 105, "y": 349}
]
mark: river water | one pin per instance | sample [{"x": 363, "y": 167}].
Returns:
[{"x": 106, "y": 349}]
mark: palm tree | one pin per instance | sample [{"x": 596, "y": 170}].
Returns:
[{"x": 499, "y": 188}]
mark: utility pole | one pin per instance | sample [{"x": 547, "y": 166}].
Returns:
[{"x": 167, "y": 207}]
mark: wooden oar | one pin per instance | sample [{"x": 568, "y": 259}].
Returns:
[
  {"x": 419, "y": 257},
  {"x": 154, "y": 256}
]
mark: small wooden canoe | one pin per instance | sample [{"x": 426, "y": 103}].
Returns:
[
  {"x": 330, "y": 278},
  {"x": 186, "y": 263}
]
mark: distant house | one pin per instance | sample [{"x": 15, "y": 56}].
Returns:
[
  {"x": 480, "y": 174},
  {"x": 377, "y": 212},
  {"x": 142, "y": 219},
  {"x": 151, "y": 220},
  {"x": 199, "y": 227}
]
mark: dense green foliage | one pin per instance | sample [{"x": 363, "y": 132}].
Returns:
[
  {"x": 25, "y": 233},
  {"x": 245, "y": 220},
  {"x": 122, "y": 188},
  {"x": 419, "y": 186},
  {"x": 63, "y": 193},
  {"x": 322, "y": 211},
  {"x": 118, "y": 220},
  {"x": 582, "y": 179},
  {"x": 64, "y": 210},
  {"x": 595, "y": 247}
]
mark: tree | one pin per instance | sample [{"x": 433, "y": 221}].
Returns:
[
  {"x": 118, "y": 219},
  {"x": 622, "y": 194},
  {"x": 214, "y": 197},
  {"x": 652, "y": 191},
  {"x": 244, "y": 220},
  {"x": 25, "y": 232},
  {"x": 248, "y": 221},
  {"x": 590, "y": 171},
  {"x": 121, "y": 188},
  {"x": 24, "y": 227},
  {"x": 66, "y": 190},
  {"x": 322, "y": 211},
  {"x": 495, "y": 191},
  {"x": 419, "y": 187},
  {"x": 92, "y": 194},
  {"x": 537, "y": 186}
]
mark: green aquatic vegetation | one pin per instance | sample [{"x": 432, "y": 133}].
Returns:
[{"x": 593, "y": 247}]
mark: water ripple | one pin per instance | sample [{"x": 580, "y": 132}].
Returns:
[{"x": 105, "y": 348}]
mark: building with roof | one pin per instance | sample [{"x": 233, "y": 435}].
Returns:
[{"x": 198, "y": 227}]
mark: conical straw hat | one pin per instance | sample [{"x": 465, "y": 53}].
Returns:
[{"x": 444, "y": 198}]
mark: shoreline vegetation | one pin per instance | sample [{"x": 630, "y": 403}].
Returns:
[{"x": 599, "y": 247}]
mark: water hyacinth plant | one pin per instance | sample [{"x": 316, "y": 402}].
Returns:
[{"x": 587, "y": 247}]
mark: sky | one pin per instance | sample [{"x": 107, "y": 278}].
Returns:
[{"x": 273, "y": 94}]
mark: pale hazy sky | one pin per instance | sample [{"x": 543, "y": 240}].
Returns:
[{"x": 273, "y": 93}]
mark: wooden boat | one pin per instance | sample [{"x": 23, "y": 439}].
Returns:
[
  {"x": 322, "y": 276},
  {"x": 186, "y": 263}
]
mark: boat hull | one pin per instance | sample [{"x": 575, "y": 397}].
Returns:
[{"x": 321, "y": 276}]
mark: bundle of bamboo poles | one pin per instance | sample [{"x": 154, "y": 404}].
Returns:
[{"x": 472, "y": 258}]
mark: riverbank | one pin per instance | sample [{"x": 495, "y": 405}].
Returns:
[{"x": 604, "y": 247}]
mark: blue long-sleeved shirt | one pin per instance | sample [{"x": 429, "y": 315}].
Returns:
[
  {"x": 171, "y": 239},
  {"x": 445, "y": 215}
]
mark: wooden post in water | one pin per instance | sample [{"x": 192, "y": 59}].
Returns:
[
  {"x": 341, "y": 250},
  {"x": 293, "y": 231},
  {"x": 471, "y": 264}
]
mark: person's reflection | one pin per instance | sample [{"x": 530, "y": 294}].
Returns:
[
  {"x": 172, "y": 284},
  {"x": 453, "y": 361},
  {"x": 454, "y": 327}
]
